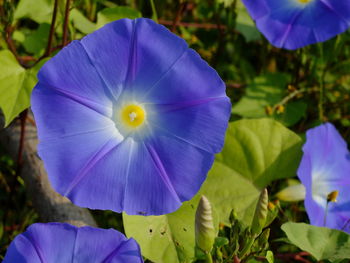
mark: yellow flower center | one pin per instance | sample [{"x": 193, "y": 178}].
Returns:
[
  {"x": 304, "y": 1},
  {"x": 133, "y": 115}
]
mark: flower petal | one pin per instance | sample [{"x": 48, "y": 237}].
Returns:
[
  {"x": 71, "y": 71},
  {"x": 22, "y": 250},
  {"x": 149, "y": 190},
  {"x": 185, "y": 165},
  {"x": 109, "y": 50},
  {"x": 47, "y": 242},
  {"x": 57, "y": 242},
  {"x": 155, "y": 51},
  {"x": 205, "y": 121},
  {"x": 325, "y": 168},
  {"x": 190, "y": 78},
  {"x": 58, "y": 114},
  {"x": 291, "y": 25},
  {"x": 105, "y": 245}
]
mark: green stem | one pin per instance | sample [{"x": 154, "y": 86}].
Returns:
[
  {"x": 208, "y": 258},
  {"x": 325, "y": 215},
  {"x": 322, "y": 86},
  {"x": 246, "y": 248},
  {"x": 320, "y": 101},
  {"x": 154, "y": 11}
]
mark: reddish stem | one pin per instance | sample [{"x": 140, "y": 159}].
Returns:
[
  {"x": 194, "y": 25},
  {"x": 23, "y": 117},
  {"x": 52, "y": 30},
  {"x": 65, "y": 24},
  {"x": 178, "y": 16}
]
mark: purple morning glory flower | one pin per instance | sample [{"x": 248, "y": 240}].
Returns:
[
  {"x": 129, "y": 119},
  {"x": 292, "y": 24},
  {"x": 57, "y": 242},
  {"x": 325, "y": 172}
]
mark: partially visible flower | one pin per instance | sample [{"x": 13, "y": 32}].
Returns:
[
  {"x": 325, "y": 172},
  {"x": 129, "y": 119},
  {"x": 61, "y": 243},
  {"x": 292, "y": 24}
]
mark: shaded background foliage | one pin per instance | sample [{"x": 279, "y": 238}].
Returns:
[{"x": 299, "y": 89}]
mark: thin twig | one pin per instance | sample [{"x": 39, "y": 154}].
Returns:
[
  {"x": 11, "y": 45},
  {"x": 294, "y": 256},
  {"x": 207, "y": 26},
  {"x": 178, "y": 16},
  {"x": 65, "y": 24},
  {"x": 52, "y": 30},
  {"x": 23, "y": 117}
]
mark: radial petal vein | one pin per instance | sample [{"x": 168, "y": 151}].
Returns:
[
  {"x": 162, "y": 172},
  {"x": 105, "y": 149},
  {"x": 99, "y": 108}
]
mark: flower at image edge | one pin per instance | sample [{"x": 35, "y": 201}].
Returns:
[
  {"x": 58, "y": 242},
  {"x": 129, "y": 119},
  {"x": 292, "y": 24},
  {"x": 324, "y": 170}
]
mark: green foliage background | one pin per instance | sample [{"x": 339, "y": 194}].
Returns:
[{"x": 276, "y": 95}]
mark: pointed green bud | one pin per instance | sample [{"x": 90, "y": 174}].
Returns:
[
  {"x": 263, "y": 240},
  {"x": 204, "y": 226},
  {"x": 260, "y": 214},
  {"x": 272, "y": 212}
]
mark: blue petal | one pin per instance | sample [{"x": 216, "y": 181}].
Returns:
[
  {"x": 70, "y": 135},
  {"x": 47, "y": 242},
  {"x": 325, "y": 168},
  {"x": 205, "y": 121},
  {"x": 185, "y": 165},
  {"x": 105, "y": 245},
  {"x": 292, "y": 25},
  {"x": 71, "y": 72},
  {"x": 149, "y": 190},
  {"x": 189, "y": 79},
  {"x": 101, "y": 184},
  {"x": 56, "y": 242},
  {"x": 109, "y": 50},
  {"x": 155, "y": 50}
]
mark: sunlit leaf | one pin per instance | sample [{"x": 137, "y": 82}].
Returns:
[
  {"x": 16, "y": 84},
  {"x": 108, "y": 15},
  {"x": 320, "y": 242},
  {"x": 245, "y": 24},
  {"x": 39, "y": 10},
  {"x": 81, "y": 23}
]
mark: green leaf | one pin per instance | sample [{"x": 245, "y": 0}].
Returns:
[
  {"x": 16, "y": 85},
  {"x": 108, "y": 15},
  {"x": 321, "y": 242},
  {"x": 168, "y": 238},
  {"x": 261, "y": 150},
  {"x": 265, "y": 90},
  {"x": 81, "y": 23},
  {"x": 255, "y": 153},
  {"x": 269, "y": 90},
  {"x": 245, "y": 24},
  {"x": 294, "y": 111},
  {"x": 39, "y": 10},
  {"x": 36, "y": 41}
]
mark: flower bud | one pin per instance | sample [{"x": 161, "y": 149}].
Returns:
[
  {"x": 204, "y": 226},
  {"x": 260, "y": 215}
]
